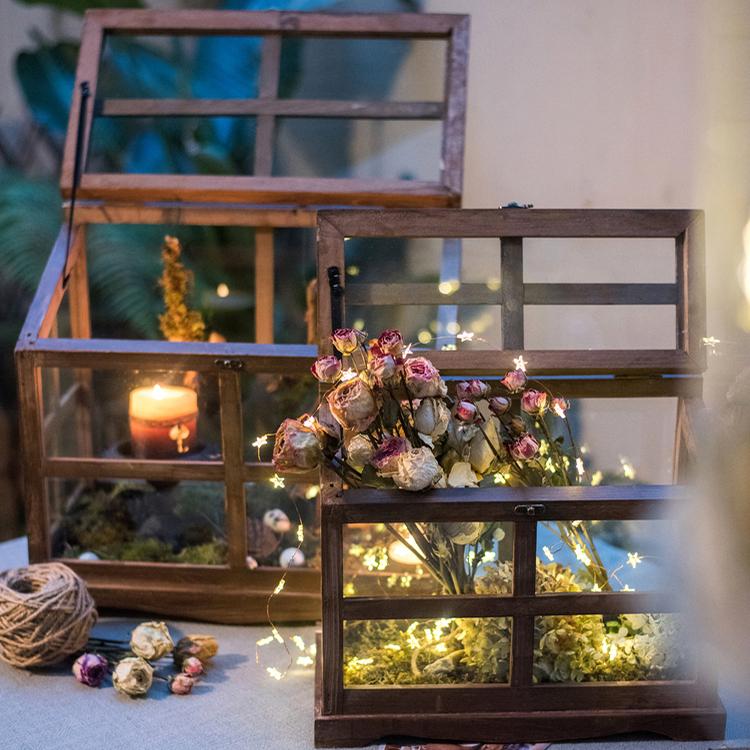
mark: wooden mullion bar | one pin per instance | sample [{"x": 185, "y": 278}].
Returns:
[
  {"x": 411, "y": 607},
  {"x": 512, "y": 290},
  {"x": 420, "y": 294},
  {"x": 600, "y": 294},
  {"x": 332, "y": 586},
  {"x": 330, "y": 255},
  {"x": 160, "y": 470},
  {"x": 513, "y": 222},
  {"x": 232, "y": 448},
  {"x": 268, "y": 105},
  {"x": 524, "y": 585},
  {"x": 268, "y": 85},
  {"x": 244, "y": 23},
  {"x": 693, "y": 270}
]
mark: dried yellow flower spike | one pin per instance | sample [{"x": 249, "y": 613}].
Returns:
[{"x": 178, "y": 322}]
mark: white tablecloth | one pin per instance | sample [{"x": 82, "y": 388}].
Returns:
[{"x": 236, "y": 706}]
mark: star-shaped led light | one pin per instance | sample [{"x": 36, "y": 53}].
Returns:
[
  {"x": 465, "y": 336},
  {"x": 348, "y": 374},
  {"x": 520, "y": 363},
  {"x": 260, "y": 441},
  {"x": 277, "y": 481},
  {"x": 626, "y": 588},
  {"x": 634, "y": 559},
  {"x": 596, "y": 587}
]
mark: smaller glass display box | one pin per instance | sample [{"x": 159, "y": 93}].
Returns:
[
  {"x": 146, "y": 461},
  {"x": 509, "y": 612}
]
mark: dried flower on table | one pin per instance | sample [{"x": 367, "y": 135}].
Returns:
[
  {"x": 181, "y": 684},
  {"x": 133, "y": 676},
  {"x": 193, "y": 666},
  {"x": 203, "y": 647},
  {"x": 90, "y": 669},
  {"x": 151, "y": 640}
]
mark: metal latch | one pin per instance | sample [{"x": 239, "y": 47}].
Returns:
[
  {"x": 229, "y": 364},
  {"x": 529, "y": 509}
]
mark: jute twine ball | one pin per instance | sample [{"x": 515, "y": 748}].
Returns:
[{"x": 46, "y": 614}]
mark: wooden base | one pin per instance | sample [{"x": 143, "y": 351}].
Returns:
[
  {"x": 349, "y": 730},
  {"x": 208, "y": 594}
]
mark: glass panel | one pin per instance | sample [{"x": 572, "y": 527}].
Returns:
[
  {"x": 606, "y": 648},
  {"x": 267, "y": 401},
  {"x": 599, "y": 326},
  {"x": 364, "y": 148},
  {"x": 609, "y": 555},
  {"x": 418, "y": 559},
  {"x": 221, "y": 260},
  {"x": 363, "y": 69},
  {"x": 455, "y": 651},
  {"x": 110, "y": 519},
  {"x": 281, "y": 519},
  {"x": 172, "y": 145},
  {"x": 142, "y": 414},
  {"x": 599, "y": 260}
]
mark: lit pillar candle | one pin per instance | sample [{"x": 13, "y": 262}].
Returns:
[{"x": 163, "y": 420}]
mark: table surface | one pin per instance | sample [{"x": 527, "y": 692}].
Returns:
[{"x": 236, "y": 705}]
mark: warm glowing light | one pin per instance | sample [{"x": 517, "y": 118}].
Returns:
[
  {"x": 441, "y": 648},
  {"x": 277, "y": 481},
  {"x": 448, "y": 348},
  {"x": 300, "y": 533},
  {"x": 628, "y": 470},
  {"x": 424, "y": 336},
  {"x": 626, "y": 588},
  {"x": 407, "y": 350},
  {"x": 453, "y": 328},
  {"x": 264, "y": 641},
  {"x": 520, "y": 363},
  {"x": 465, "y": 336},
  {"x": 392, "y": 647},
  {"x": 359, "y": 324},
  {"x": 277, "y": 636},
  {"x": 222, "y": 290},
  {"x": 634, "y": 559},
  {"x": 279, "y": 586},
  {"x": 596, "y": 587},
  {"x": 304, "y": 661},
  {"x": 348, "y": 374},
  {"x": 449, "y": 287},
  {"x": 744, "y": 274},
  {"x": 400, "y": 552},
  {"x": 310, "y": 423},
  {"x": 612, "y": 652},
  {"x": 312, "y": 492},
  {"x": 596, "y": 478},
  {"x": 274, "y": 673},
  {"x": 581, "y": 555},
  {"x": 352, "y": 270},
  {"x": 260, "y": 441},
  {"x": 579, "y": 467},
  {"x": 548, "y": 553},
  {"x": 298, "y": 642},
  {"x": 493, "y": 283}
]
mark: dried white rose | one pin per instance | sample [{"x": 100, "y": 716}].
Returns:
[
  {"x": 463, "y": 532},
  {"x": 151, "y": 640},
  {"x": 360, "y": 450},
  {"x": 481, "y": 454},
  {"x": 417, "y": 469},
  {"x": 432, "y": 417},
  {"x": 133, "y": 676},
  {"x": 461, "y": 475}
]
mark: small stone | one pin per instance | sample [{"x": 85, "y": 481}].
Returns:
[
  {"x": 88, "y": 555},
  {"x": 292, "y": 557}
]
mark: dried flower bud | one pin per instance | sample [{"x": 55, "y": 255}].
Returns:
[
  {"x": 90, "y": 669},
  {"x": 499, "y": 405},
  {"x": 204, "y": 647},
  {"x": 181, "y": 684},
  {"x": 422, "y": 378},
  {"x": 471, "y": 389},
  {"x": 514, "y": 380},
  {"x": 296, "y": 447},
  {"x": 391, "y": 342},
  {"x": 534, "y": 402},
  {"x": 417, "y": 470},
  {"x": 192, "y": 666},
  {"x": 517, "y": 425},
  {"x": 353, "y": 405},
  {"x": 151, "y": 640},
  {"x": 133, "y": 676},
  {"x": 326, "y": 369},
  {"x": 382, "y": 366},
  {"x": 432, "y": 417},
  {"x": 348, "y": 340},
  {"x": 524, "y": 448},
  {"x": 360, "y": 450},
  {"x": 560, "y": 406},
  {"x": 465, "y": 411},
  {"x": 384, "y": 458}
]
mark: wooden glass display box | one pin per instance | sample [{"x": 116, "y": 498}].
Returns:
[
  {"x": 531, "y": 649},
  {"x": 139, "y": 465}
]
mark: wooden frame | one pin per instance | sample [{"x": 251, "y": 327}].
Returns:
[
  {"x": 519, "y": 710},
  {"x": 273, "y": 26},
  {"x": 231, "y": 593}
]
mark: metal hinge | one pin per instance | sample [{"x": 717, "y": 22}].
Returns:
[
  {"x": 229, "y": 364},
  {"x": 536, "y": 509}
]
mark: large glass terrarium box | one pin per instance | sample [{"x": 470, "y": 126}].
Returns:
[
  {"x": 509, "y": 613},
  {"x": 145, "y": 463}
]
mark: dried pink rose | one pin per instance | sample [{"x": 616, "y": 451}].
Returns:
[
  {"x": 353, "y": 405},
  {"x": 499, "y": 405},
  {"x": 348, "y": 340},
  {"x": 296, "y": 448},
  {"x": 391, "y": 342},
  {"x": 465, "y": 411},
  {"x": 470, "y": 389},
  {"x": 192, "y": 666},
  {"x": 90, "y": 669},
  {"x": 422, "y": 378},
  {"x": 524, "y": 448},
  {"x": 514, "y": 380},
  {"x": 181, "y": 684},
  {"x": 326, "y": 369},
  {"x": 384, "y": 458},
  {"x": 534, "y": 402},
  {"x": 381, "y": 365}
]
